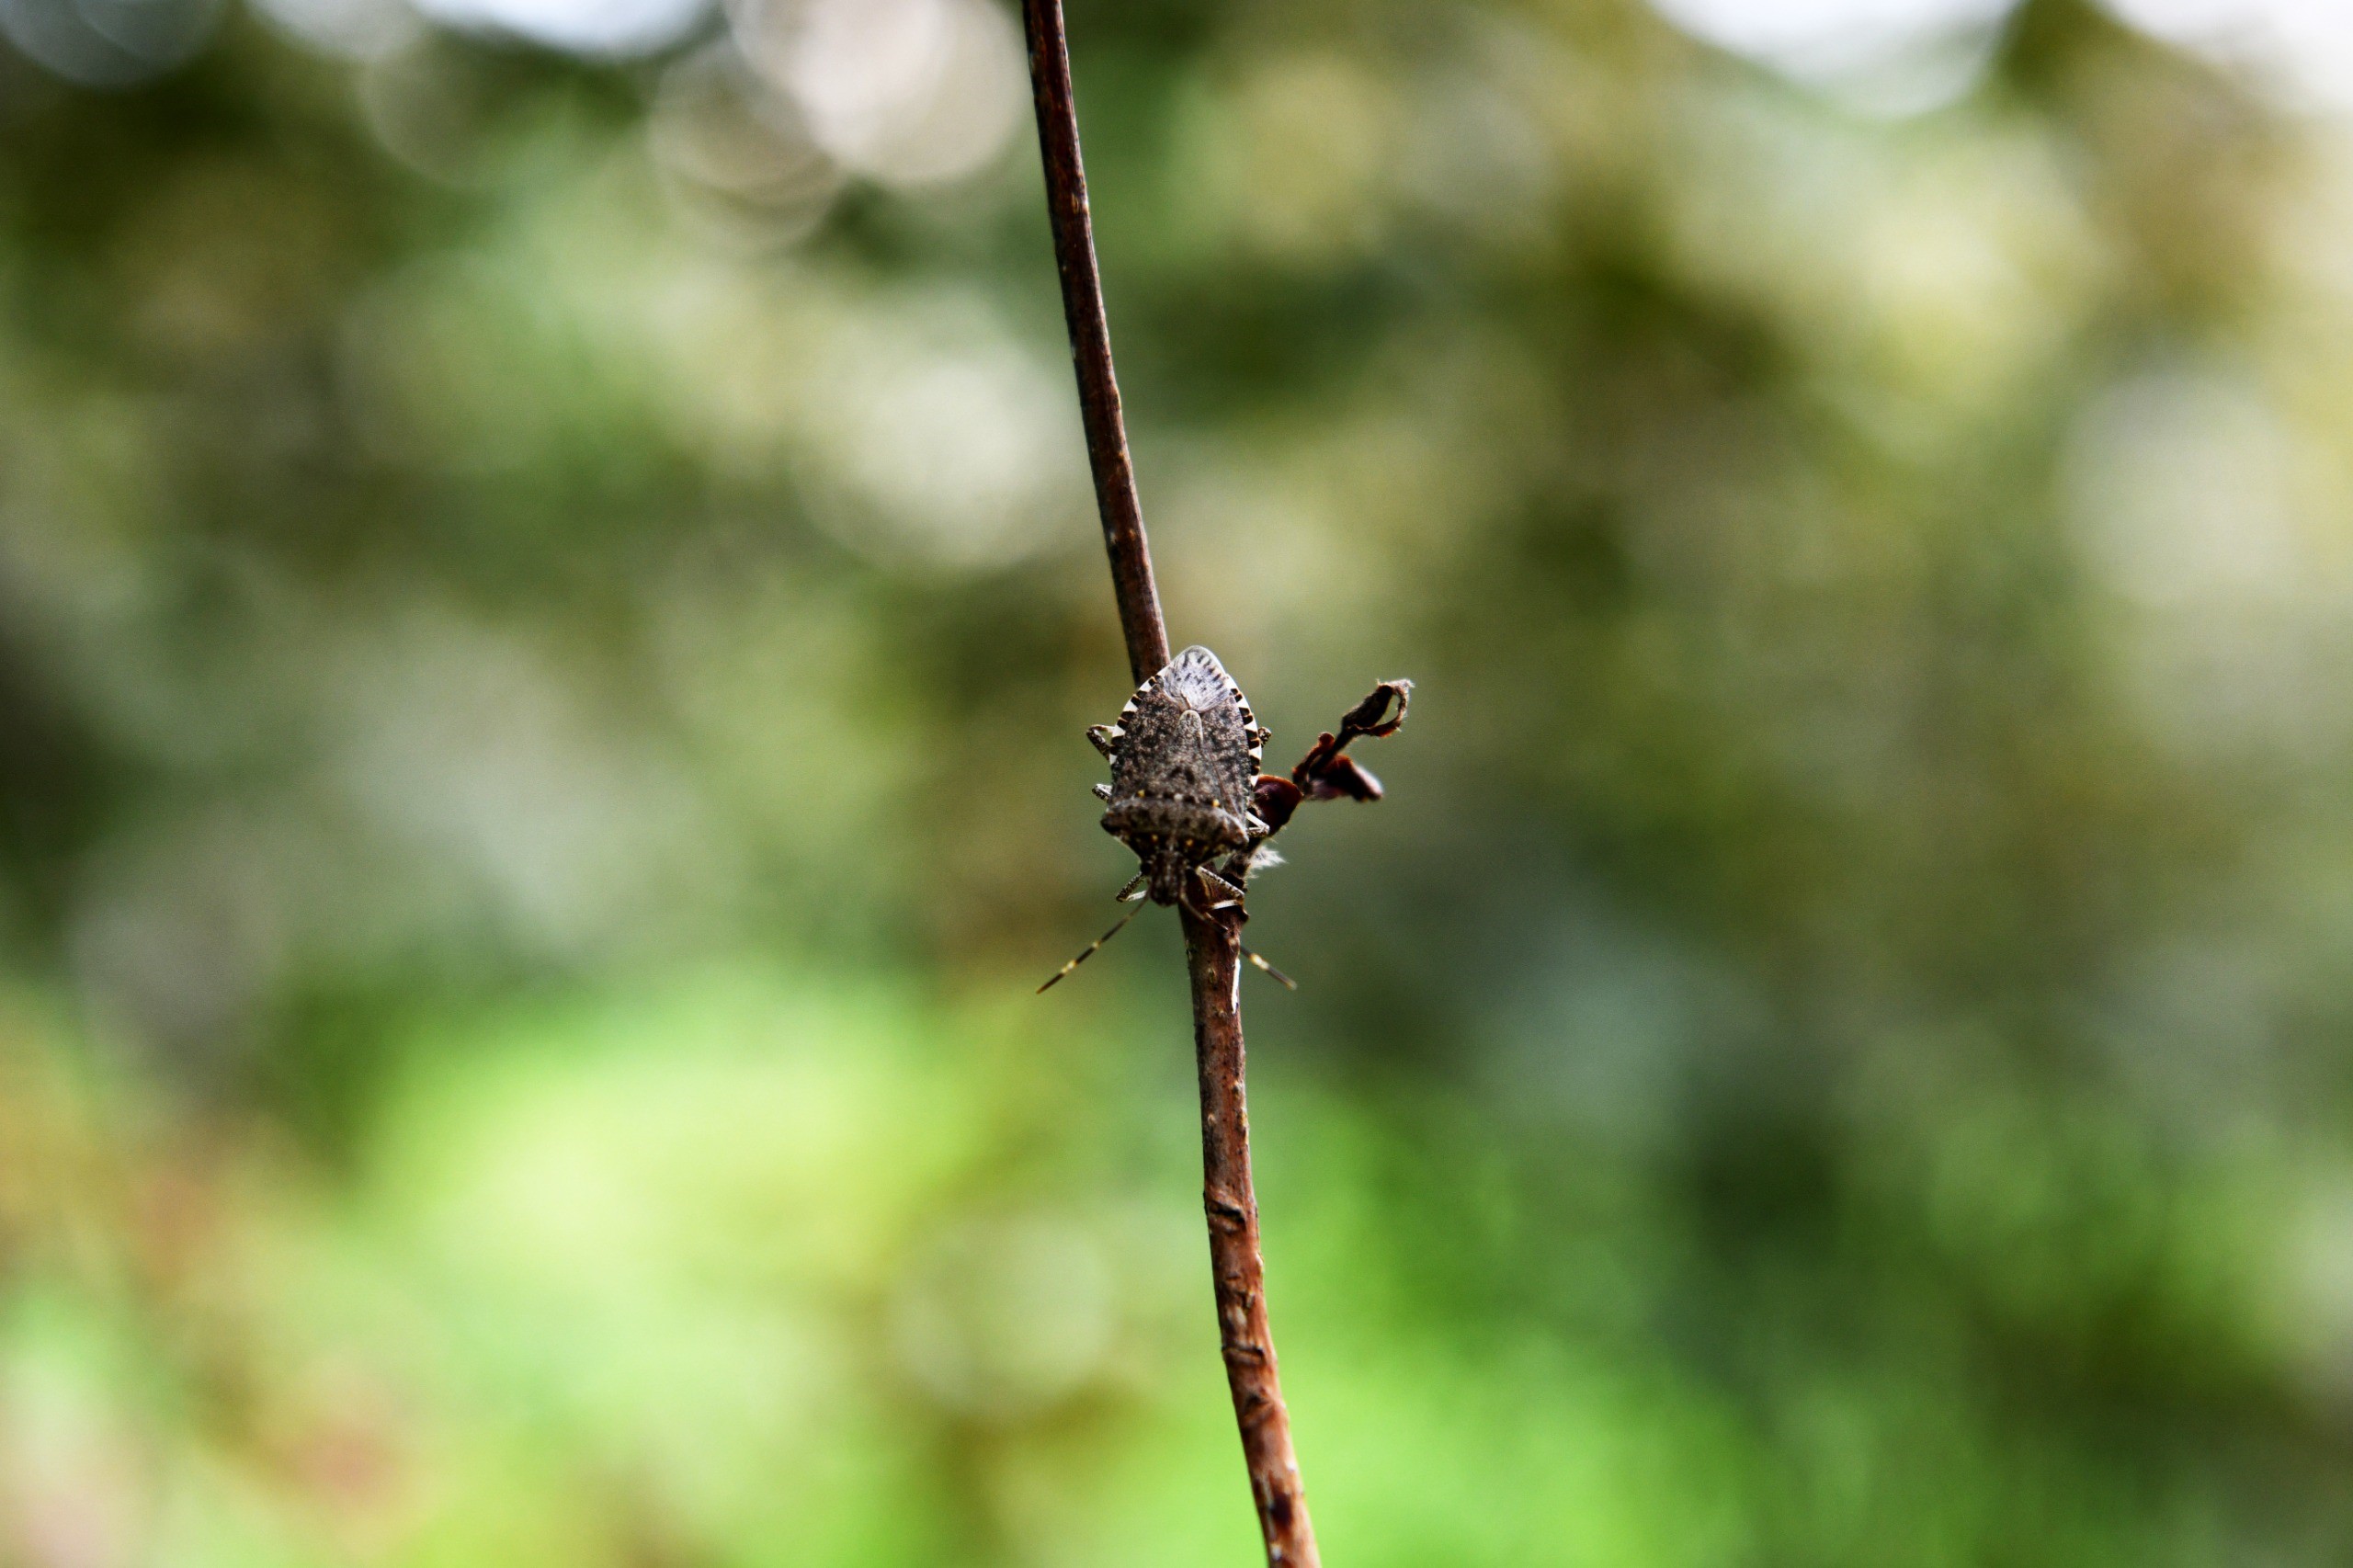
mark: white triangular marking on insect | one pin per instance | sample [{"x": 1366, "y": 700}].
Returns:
[{"x": 1195, "y": 679}]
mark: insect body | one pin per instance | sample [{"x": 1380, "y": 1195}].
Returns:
[
  {"x": 1184, "y": 766},
  {"x": 1186, "y": 796},
  {"x": 1184, "y": 762}
]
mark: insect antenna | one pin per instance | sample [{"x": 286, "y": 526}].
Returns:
[
  {"x": 1088, "y": 952},
  {"x": 1285, "y": 982}
]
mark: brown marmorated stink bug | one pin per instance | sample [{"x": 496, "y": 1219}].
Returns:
[{"x": 1186, "y": 796}]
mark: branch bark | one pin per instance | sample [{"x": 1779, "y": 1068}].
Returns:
[
  {"x": 1213, "y": 946},
  {"x": 1090, "y": 342},
  {"x": 1213, "y": 952}
]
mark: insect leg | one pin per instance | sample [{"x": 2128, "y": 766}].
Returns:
[
  {"x": 1230, "y": 893},
  {"x": 1133, "y": 890},
  {"x": 1212, "y": 879},
  {"x": 1088, "y": 952}
]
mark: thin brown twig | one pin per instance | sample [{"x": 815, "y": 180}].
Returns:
[
  {"x": 1090, "y": 342},
  {"x": 1213, "y": 946}
]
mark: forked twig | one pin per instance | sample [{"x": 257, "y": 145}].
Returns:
[
  {"x": 1212, "y": 945},
  {"x": 1327, "y": 772}
]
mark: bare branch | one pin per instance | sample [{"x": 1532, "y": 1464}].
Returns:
[
  {"x": 1090, "y": 342},
  {"x": 1212, "y": 945},
  {"x": 1213, "y": 952}
]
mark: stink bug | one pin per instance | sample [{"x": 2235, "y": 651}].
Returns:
[
  {"x": 1184, "y": 767},
  {"x": 1186, "y": 796},
  {"x": 1184, "y": 762}
]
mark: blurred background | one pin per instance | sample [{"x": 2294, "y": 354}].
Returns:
[{"x": 548, "y": 597}]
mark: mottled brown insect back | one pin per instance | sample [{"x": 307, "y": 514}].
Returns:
[
  {"x": 1186, "y": 796},
  {"x": 1184, "y": 762}
]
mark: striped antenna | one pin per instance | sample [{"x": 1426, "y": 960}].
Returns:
[
  {"x": 1089, "y": 950},
  {"x": 1285, "y": 982}
]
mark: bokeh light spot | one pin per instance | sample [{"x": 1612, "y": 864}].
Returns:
[
  {"x": 1822, "y": 41},
  {"x": 908, "y": 92},
  {"x": 604, "y": 28},
  {"x": 109, "y": 43}
]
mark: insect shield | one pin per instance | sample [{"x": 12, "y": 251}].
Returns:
[
  {"x": 1184, "y": 764},
  {"x": 1186, "y": 796}
]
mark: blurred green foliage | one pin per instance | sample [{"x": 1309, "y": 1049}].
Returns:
[{"x": 546, "y": 611}]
